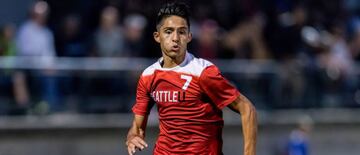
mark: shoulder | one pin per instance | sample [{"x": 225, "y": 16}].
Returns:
[
  {"x": 151, "y": 69},
  {"x": 25, "y": 27},
  {"x": 205, "y": 69},
  {"x": 202, "y": 63},
  {"x": 198, "y": 65}
]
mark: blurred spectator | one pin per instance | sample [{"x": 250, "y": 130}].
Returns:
[
  {"x": 109, "y": 38},
  {"x": 34, "y": 38},
  {"x": 37, "y": 41},
  {"x": 298, "y": 143},
  {"x": 283, "y": 29},
  {"x": 340, "y": 59},
  {"x": 11, "y": 81},
  {"x": 207, "y": 44},
  {"x": 7, "y": 43},
  {"x": 338, "y": 63},
  {"x": 134, "y": 25},
  {"x": 70, "y": 42},
  {"x": 246, "y": 40},
  {"x": 283, "y": 36},
  {"x": 109, "y": 42}
]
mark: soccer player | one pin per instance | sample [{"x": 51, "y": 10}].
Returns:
[{"x": 190, "y": 94}]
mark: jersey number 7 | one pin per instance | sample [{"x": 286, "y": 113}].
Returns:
[{"x": 188, "y": 80}]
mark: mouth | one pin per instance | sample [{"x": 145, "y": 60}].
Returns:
[{"x": 175, "y": 48}]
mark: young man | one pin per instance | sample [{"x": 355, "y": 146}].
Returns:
[{"x": 189, "y": 94}]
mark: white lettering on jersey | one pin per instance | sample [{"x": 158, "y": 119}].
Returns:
[
  {"x": 175, "y": 94},
  {"x": 167, "y": 96}
]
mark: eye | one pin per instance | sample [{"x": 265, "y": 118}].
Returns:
[
  {"x": 182, "y": 31},
  {"x": 168, "y": 31}
]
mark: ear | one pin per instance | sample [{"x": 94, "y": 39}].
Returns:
[
  {"x": 156, "y": 36},
  {"x": 189, "y": 37}
]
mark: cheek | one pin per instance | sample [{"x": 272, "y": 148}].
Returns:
[
  {"x": 166, "y": 43},
  {"x": 186, "y": 40},
  {"x": 166, "y": 40}
]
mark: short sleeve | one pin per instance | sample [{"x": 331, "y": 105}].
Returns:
[
  {"x": 219, "y": 90},
  {"x": 143, "y": 100}
]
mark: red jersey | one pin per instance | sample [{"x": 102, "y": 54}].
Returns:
[{"x": 189, "y": 99}]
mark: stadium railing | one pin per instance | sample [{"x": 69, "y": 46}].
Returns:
[{"x": 269, "y": 84}]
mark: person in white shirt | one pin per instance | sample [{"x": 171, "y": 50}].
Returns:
[{"x": 36, "y": 40}]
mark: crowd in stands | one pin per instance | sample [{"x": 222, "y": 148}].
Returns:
[{"x": 317, "y": 43}]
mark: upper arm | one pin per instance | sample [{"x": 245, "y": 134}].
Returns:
[
  {"x": 143, "y": 100},
  {"x": 217, "y": 88},
  {"x": 241, "y": 105}
]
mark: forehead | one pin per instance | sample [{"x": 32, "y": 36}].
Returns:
[{"x": 174, "y": 21}]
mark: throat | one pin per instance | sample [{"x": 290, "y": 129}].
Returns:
[{"x": 169, "y": 62}]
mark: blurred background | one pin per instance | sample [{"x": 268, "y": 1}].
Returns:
[{"x": 68, "y": 72}]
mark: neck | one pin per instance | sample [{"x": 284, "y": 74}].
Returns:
[{"x": 169, "y": 62}]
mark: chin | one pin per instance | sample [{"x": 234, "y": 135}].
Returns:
[{"x": 173, "y": 55}]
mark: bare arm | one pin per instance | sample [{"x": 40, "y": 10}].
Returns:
[
  {"x": 135, "y": 138},
  {"x": 249, "y": 122}
]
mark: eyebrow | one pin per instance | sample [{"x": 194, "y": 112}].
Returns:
[{"x": 182, "y": 27}]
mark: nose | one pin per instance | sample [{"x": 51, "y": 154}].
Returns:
[{"x": 175, "y": 37}]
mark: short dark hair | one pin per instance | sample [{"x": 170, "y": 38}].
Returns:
[{"x": 173, "y": 9}]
